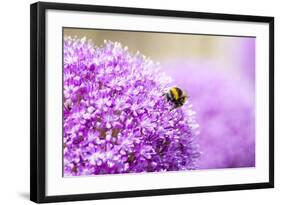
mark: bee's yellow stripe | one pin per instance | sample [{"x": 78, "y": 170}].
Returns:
[{"x": 175, "y": 93}]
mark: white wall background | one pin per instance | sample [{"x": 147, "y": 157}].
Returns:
[{"x": 14, "y": 101}]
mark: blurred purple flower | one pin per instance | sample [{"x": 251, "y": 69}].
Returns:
[
  {"x": 243, "y": 53},
  {"x": 225, "y": 105},
  {"x": 116, "y": 119}
]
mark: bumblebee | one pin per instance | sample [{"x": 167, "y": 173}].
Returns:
[{"x": 176, "y": 96}]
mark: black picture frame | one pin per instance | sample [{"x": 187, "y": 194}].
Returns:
[{"x": 38, "y": 100}]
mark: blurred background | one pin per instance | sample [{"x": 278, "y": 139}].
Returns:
[{"x": 217, "y": 72}]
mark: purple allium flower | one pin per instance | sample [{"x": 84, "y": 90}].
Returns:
[
  {"x": 116, "y": 119},
  {"x": 225, "y": 101}
]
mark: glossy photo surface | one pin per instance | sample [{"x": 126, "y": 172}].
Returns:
[{"x": 138, "y": 102}]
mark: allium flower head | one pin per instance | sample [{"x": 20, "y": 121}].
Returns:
[{"x": 116, "y": 119}]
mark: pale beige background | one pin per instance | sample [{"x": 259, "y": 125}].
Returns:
[{"x": 163, "y": 46}]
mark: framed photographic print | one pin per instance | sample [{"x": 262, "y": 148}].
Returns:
[{"x": 129, "y": 102}]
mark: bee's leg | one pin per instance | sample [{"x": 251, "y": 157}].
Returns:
[
  {"x": 166, "y": 95},
  {"x": 173, "y": 108},
  {"x": 177, "y": 104}
]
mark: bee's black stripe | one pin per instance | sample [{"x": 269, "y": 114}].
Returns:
[{"x": 179, "y": 91}]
